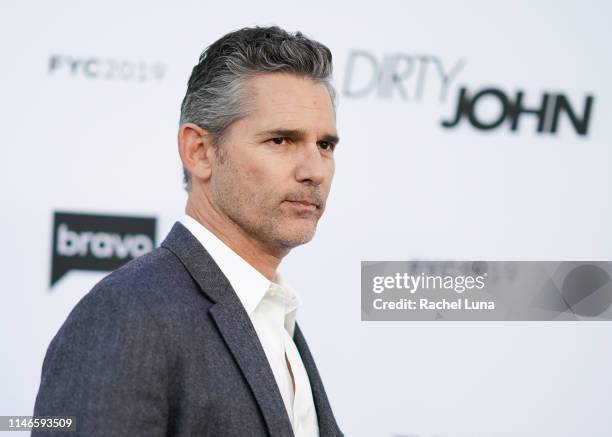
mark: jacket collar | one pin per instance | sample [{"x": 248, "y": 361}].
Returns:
[
  {"x": 325, "y": 416},
  {"x": 239, "y": 334},
  {"x": 234, "y": 325}
]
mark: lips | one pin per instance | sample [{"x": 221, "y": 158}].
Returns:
[
  {"x": 304, "y": 208},
  {"x": 305, "y": 202}
]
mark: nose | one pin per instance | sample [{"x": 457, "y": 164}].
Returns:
[{"x": 310, "y": 166}]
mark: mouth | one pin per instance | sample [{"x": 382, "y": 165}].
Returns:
[{"x": 303, "y": 205}]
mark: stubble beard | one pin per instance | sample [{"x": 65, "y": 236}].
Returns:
[{"x": 257, "y": 215}]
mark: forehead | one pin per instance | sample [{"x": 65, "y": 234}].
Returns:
[{"x": 282, "y": 100}]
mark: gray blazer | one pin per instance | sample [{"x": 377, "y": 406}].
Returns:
[{"x": 163, "y": 347}]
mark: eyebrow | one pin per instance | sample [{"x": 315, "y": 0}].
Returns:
[{"x": 296, "y": 133}]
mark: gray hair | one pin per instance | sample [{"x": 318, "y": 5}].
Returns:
[{"x": 216, "y": 93}]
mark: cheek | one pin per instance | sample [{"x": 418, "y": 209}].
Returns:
[
  {"x": 266, "y": 183},
  {"x": 247, "y": 172},
  {"x": 331, "y": 169},
  {"x": 273, "y": 172}
]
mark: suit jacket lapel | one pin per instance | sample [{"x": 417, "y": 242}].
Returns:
[
  {"x": 327, "y": 423},
  {"x": 235, "y": 327}
]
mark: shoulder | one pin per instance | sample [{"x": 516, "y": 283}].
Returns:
[
  {"x": 157, "y": 278},
  {"x": 142, "y": 303},
  {"x": 112, "y": 351},
  {"x": 151, "y": 272},
  {"x": 153, "y": 288}
]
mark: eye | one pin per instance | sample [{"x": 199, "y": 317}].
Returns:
[
  {"x": 279, "y": 140},
  {"x": 326, "y": 145}
]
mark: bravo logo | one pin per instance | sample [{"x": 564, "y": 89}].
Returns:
[{"x": 98, "y": 242}]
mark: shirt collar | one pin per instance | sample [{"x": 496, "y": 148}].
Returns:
[
  {"x": 248, "y": 283},
  {"x": 290, "y": 299}
]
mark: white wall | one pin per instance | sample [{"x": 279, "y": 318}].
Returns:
[{"x": 405, "y": 188}]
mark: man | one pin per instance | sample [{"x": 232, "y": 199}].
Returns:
[{"x": 198, "y": 337}]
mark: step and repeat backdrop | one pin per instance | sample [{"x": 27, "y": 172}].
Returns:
[{"x": 470, "y": 131}]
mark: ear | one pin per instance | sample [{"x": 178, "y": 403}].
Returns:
[{"x": 196, "y": 150}]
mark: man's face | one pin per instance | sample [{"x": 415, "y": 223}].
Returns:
[{"x": 277, "y": 163}]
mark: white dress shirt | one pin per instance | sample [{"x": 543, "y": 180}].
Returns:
[{"x": 272, "y": 309}]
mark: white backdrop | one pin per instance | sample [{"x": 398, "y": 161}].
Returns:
[{"x": 100, "y": 137}]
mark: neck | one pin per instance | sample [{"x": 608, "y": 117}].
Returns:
[{"x": 263, "y": 258}]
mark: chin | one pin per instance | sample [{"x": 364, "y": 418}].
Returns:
[{"x": 294, "y": 239}]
